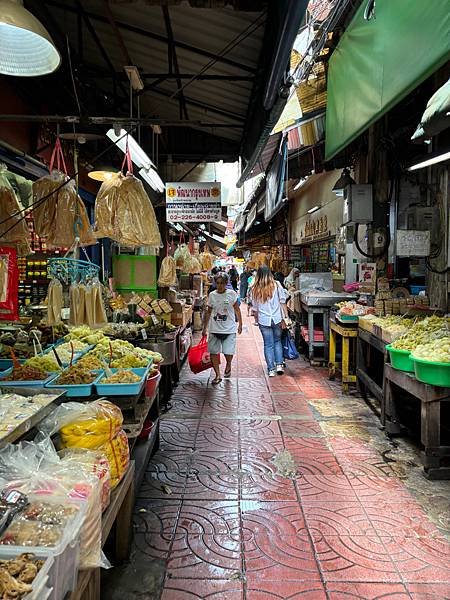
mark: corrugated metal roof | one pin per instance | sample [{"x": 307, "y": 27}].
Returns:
[{"x": 211, "y": 30}]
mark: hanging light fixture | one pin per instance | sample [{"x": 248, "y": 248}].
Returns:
[
  {"x": 344, "y": 180},
  {"x": 102, "y": 174},
  {"x": 26, "y": 48}
]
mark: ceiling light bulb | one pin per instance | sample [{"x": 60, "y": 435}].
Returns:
[
  {"x": 26, "y": 48},
  {"x": 313, "y": 209},
  {"x": 153, "y": 179}
]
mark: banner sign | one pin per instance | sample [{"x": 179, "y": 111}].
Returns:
[{"x": 193, "y": 202}]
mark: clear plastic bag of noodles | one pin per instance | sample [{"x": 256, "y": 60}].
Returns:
[
  {"x": 193, "y": 265},
  {"x": 99, "y": 306},
  {"x": 135, "y": 221},
  {"x": 71, "y": 220},
  {"x": 13, "y": 227},
  {"x": 55, "y": 302},
  {"x": 106, "y": 205},
  {"x": 206, "y": 260},
  {"x": 167, "y": 272},
  {"x": 182, "y": 257},
  {"x": 45, "y": 198}
]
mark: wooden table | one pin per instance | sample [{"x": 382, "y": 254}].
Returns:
[
  {"x": 368, "y": 365},
  {"x": 347, "y": 333},
  {"x": 118, "y": 515},
  {"x": 431, "y": 398}
]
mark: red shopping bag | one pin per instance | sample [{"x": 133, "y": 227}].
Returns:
[{"x": 199, "y": 358}]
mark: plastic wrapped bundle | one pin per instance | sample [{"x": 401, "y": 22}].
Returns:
[
  {"x": 206, "y": 260},
  {"x": 124, "y": 213},
  {"x": 54, "y": 302},
  {"x": 13, "y": 228},
  {"x": 182, "y": 257},
  {"x": 168, "y": 272},
  {"x": 71, "y": 220},
  {"x": 193, "y": 265},
  {"x": 44, "y": 211}
]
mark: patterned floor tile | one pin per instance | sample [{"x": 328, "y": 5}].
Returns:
[
  {"x": 338, "y": 518},
  {"x": 261, "y": 480},
  {"x": 420, "y": 560},
  {"x": 157, "y": 516},
  {"x": 174, "y": 462},
  {"x": 317, "y": 392},
  {"x": 282, "y": 519},
  {"x": 216, "y": 486},
  {"x": 402, "y": 519},
  {"x": 270, "y": 445},
  {"x": 260, "y": 589},
  {"x": 202, "y": 461},
  {"x": 365, "y": 466},
  {"x": 428, "y": 591},
  {"x": 152, "y": 545},
  {"x": 259, "y": 428},
  {"x": 354, "y": 558},
  {"x": 324, "y": 488},
  {"x": 378, "y": 488},
  {"x": 205, "y": 557},
  {"x": 209, "y": 589},
  {"x": 163, "y": 485},
  {"x": 301, "y": 428},
  {"x": 291, "y": 404},
  {"x": 210, "y": 518},
  {"x": 189, "y": 406},
  {"x": 170, "y": 442},
  {"x": 366, "y": 591},
  {"x": 259, "y": 404},
  {"x": 270, "y": 557},
  {"x": 220, "y": 406}
]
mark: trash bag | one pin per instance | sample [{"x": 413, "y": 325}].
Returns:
[
  {"x": 199, "y": 357},
  {"x": 168, "y": 272},
  {"x": 290, "y": 351}
]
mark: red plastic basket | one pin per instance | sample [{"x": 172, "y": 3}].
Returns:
[{"x": 151, "y": 384}]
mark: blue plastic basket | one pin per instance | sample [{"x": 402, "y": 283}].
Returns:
[
  {"x": 76, "y": 391},
  {"x": 122, "y": 389},
  {"x": 415, "y": 289},
  {"x": 33, "y": 383}
]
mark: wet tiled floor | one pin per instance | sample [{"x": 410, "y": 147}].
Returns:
[{"x": 280, "y": 488}]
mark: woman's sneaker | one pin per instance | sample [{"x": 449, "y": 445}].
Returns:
[
  {"x": 272, "y": 373},
  {"x": 280, "y": 369}
]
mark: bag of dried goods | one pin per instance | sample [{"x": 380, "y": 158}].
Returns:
[
  {"x": 167, "y": 272},
  {"x": 206, "y": 260},
  {"x": 124, "y": 213},
  {"x": 99, "y": 306},
  {"x": 45, "y": 198},
  {"x": 13, "y": 227},
  {"x": 182, "y": 256},
  {"x": 54, "y": 302},
  {"x": 192, "y": 265}
]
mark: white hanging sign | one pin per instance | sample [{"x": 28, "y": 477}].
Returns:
[{"x": 193, "y": 202}]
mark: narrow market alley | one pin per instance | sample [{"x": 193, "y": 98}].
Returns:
[{"x": 277, "y": 488}]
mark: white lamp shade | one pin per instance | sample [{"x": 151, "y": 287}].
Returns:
[{"x": 26, "y": 48}]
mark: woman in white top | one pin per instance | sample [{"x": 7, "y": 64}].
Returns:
[
  {"x": 223, "y": 315},
  {"x": 269, "y": 302}
]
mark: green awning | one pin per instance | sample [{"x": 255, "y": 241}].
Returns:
[{"x": 379, "y": 61}]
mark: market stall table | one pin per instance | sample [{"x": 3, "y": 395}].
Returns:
[
  {"x": 347, "y": 333},
  {"x": 430, "y": 397},
  {"x": 371, "y": 357}
]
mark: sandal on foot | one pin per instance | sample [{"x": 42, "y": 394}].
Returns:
[
  {"x": 227, "y": 374},
  {"x": 216, "y": 380}
]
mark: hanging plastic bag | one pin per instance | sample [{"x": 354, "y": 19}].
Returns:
[
  {"x": 199, "y": 357},
  {"x": 124, "y": 213},
  {"x": 206, "y": 260},
  {"x": 167, "y": 272},
  {"x": 290, "y": 351},
  {"x": 182, "y": 256},
  {"x": 13, "y": 228},
  {"x": 193, "y": 265},
  {"x": 71, "y": 220},
  {"x": 45, "y": 197},
  {"x": 9, "y": 284},
  {"x": 54, "y": 302},
  {"x": 99, "y": 306}
]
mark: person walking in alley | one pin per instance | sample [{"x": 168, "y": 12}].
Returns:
[
  {"x": 223, "y": 315},
  {"x": 269, "y": 304},
  {"x": 234, "y": 278}
]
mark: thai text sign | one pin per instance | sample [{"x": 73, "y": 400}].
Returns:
[{"x": 193, "y": 202}]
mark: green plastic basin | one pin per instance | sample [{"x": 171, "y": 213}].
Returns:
[
  {"x": 401, "y": 359},
  {"x": 434, "y": 373}
]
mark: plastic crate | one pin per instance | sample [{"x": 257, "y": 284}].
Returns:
[
  {"x": 75, "y": 391},
  {"x": 122, "y": 389},
  {"x": 34, "y": 383},
  {"x": 40, "y": 590},
  {"x": 63, "y": 572}
]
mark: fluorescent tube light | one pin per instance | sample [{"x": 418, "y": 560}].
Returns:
[
  {"x": 300, "y": 183},
  {"x": 313, "y": 209},
  {"x": 153, "y": 179},
  {"x": 432, "y": 160},
  {"x": 138, "y": 156}
]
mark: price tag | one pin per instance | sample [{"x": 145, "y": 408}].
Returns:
[{"x": 144, "y": 334}]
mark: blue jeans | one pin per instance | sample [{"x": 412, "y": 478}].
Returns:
[{"x": 273, "y": 349}]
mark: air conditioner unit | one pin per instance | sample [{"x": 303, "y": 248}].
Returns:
[{"x": 358, "y": 204}]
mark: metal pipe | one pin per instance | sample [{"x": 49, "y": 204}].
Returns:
[{"x": 111, "y": 120}]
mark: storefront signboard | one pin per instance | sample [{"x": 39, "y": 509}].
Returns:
[{"x": 193, "y": 202}]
